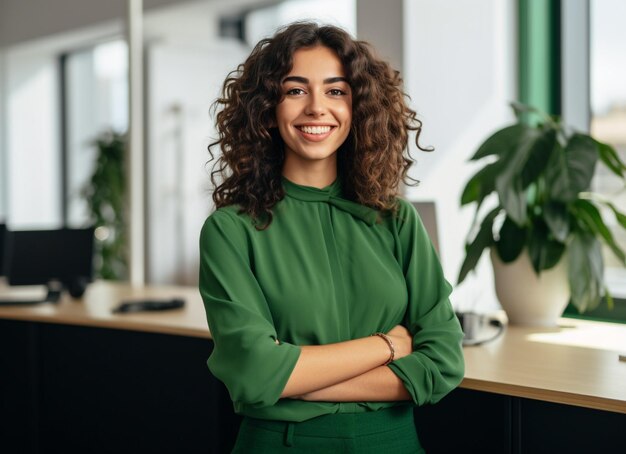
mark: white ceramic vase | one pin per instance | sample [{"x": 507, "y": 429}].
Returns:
[{"x": 529, "y": 299}]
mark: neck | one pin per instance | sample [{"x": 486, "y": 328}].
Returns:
[{"x": 318, "y": 174}]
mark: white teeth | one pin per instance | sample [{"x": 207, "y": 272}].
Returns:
[{"x": 315, "y": 129}]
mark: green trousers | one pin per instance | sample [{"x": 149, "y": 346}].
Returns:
[{"x": 388, "y": 430}]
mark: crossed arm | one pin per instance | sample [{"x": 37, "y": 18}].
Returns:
[{"x": 350, "y": 371}]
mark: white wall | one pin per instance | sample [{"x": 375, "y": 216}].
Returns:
[
  {"x": 182, "y": 81},
  {"x": 460, "y": 74}
]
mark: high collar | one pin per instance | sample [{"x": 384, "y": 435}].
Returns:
[
  {"x": 311, "y": 193},
  {"x": 331, "y": 194}
]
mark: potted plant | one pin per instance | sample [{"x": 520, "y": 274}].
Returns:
[
  {"x": 105, "y": 194},
  {"x": 546, "y": 228}
]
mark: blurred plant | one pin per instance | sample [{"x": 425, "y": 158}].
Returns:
[
  {"x": 105, "y": 194},
  {"x": 542, "y": 175}
]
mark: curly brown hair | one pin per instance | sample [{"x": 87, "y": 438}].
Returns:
[{"x": 371, "y": 162}]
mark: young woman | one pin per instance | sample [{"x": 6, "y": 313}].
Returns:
[{"x": 325, "y": 299}]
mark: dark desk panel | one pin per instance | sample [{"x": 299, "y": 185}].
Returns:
[
  {"x": 91, "y": 390},
  {"x": 73, "y": 389}
]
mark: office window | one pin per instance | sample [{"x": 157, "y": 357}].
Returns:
[
  {"x": 608, "y": 113},
  {"x": 96, "y": 100}
]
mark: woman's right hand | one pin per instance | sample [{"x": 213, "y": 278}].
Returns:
[{"x": 402, "y": 341}]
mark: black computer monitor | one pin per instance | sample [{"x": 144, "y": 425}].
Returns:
[{"x": 37, "y": 257}]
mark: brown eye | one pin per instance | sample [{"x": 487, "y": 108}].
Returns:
[
  {"x": 336, "y": 92},
  {"x": 295, "y": 91}
]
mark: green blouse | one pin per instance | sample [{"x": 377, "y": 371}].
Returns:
[{"x": 326, "y": 270}]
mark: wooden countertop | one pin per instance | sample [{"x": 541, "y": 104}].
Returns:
[
  {"x": 95, "y": 309},
  {"x": 576, "y": 363}
]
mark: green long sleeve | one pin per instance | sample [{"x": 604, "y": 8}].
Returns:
[
  {"x": 240, "y": 320},
  {"x": 326, "y": 270},
  {"x": 436, "y": 365}
]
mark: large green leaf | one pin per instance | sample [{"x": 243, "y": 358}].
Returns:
[
  {"x": 544, "y": 252},
  {"x": 572, "y": 169},
  {"x": 557, "y": 218},
  {"x": 512, "y": 198},
  {"x": 502, "y": 142},
  {"x": 481, "y": 184},
  {"x": 483, "y": 239},
  {"x": 585, "y": 271},
  {"x": 511, "y": 242},
  {"x": 509, "y": 183},
  {"x": 557, "y": 182},
  {"x": 539, "y": 155},
  {"x": 587, "y": 213},
  {"x": 582, "y": 155},
  {"x": 610, "y": 158}
]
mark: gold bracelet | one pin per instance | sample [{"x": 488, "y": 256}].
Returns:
[{"x": 391, "y": 347}]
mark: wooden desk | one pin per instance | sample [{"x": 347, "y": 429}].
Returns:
[
  {"x": 95, "y": 309},
  {"x": 574, "y": 364},
  {"x": 571, "y": 372},
  {"x": 536, "y": 390}
]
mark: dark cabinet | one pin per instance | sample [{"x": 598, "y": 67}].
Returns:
[
  {"x": 75, "y": 389},
  {"x": 469, "y": 421}
]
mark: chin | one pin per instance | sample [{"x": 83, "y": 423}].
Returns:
[{"x": 313, "y": 156}]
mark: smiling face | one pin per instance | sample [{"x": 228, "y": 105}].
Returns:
[{"x": 315, "y": 113}]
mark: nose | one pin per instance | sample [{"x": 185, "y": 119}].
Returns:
[{"x": 315, "y": 105}]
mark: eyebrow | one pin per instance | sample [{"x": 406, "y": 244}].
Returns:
[{"x": 304, "y": 80}]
